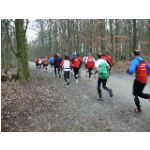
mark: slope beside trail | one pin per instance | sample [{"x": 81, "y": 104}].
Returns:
[{"x": 57, "y": 108}]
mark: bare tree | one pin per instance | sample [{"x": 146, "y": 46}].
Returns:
[
  {"x": 134, "y": 35},
  {"x": 22, "y": 57}
]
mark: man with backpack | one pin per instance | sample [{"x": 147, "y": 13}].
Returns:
[
  {"x": 102, "y": 68},
  {"x": 90, "y": 63},
  {"x": 142, "y": 70},
  {"x": 109, "y": 59},
  {"x": 76, "y": 64}
]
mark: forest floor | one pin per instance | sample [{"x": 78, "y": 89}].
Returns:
[{"x": 43, "y": 103}]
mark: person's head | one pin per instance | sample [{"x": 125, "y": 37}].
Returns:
[
  {"x": 103, "y": 54},
  {"x": 66, "y": 57},
  {"x": 78, "y": 55},
  {"x": 99, "y": 55},
  {"x": 136, "y": 52},
  {"x": 74, "y": 55},
  {"x": 55, "y": 56}
]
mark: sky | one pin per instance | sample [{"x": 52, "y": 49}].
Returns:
[{"x": 31, "y": 31}]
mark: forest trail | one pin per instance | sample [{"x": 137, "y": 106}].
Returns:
[{"x": 76, "y": 108}]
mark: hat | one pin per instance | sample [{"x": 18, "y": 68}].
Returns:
[
  {"x": 99, "y": 54},
  {"x": 136, "y": 52}
]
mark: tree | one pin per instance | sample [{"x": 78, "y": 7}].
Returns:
[
  {"x": 22, "y": 57},
  {"x": 129, "y": 35},
  {"x": 134, "y": 35},
  {"x": 111, "y": 36},
  {"x": 148, "y": 34},
  {"x": 119, "y": 36}
]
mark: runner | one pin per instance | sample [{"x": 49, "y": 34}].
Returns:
[
  {"x": 57, "y": 68},
  {"x": 36, "y": 62},
  {"x": 45, "y": 63},
  {"x": 80, "y": 59},
  {"x": 142, "y": 70},
  {"x": 51, "y": 61},
  {"x": 102, "y": 68},
  {"x": 109, "y": 59},
  {"x": 39, "y": 63},
  {"x": 85, "y": 65},
  {"x": 76, "y": 66},
  {"x": 42, "y": 63},
  {"x": 66, "y": 65},
  {"x": 90, "y": 63}
]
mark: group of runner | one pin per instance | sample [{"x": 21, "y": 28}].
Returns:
[
  {"x": 41, "y": 63},
  {"x": 102, "y": 67}
]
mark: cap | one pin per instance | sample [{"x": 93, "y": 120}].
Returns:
[
  {"x": 99, "y": 54},
  {"x": 137, "y": 52}
]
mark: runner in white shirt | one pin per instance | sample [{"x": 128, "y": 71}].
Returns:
[{"x": 66, "y": 65}]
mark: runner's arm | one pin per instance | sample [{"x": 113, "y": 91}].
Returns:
[
  {"x": 96, "y": 67},
  {"x": 133, "y": 67},
  {"x": 148, "y": 69}
]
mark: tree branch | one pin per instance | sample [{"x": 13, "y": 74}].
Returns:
[
  {"x": 12, "y": 49},
  {"x": 26, "y": 26}
]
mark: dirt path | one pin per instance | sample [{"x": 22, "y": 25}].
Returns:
[
  {"x": 76, "y": 108},
  {"x": 112, "y": 114}
]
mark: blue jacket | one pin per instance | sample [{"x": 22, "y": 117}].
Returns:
[
  {"x": 51, "y": 60},
  {"x": 135, "y": 63}
]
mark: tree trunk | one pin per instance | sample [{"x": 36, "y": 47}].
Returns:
[
  {"x": 42, "y": 35},
  {"x": 49, "y": 36},
  {"x": 22, "y": 57},
  {"x": 111, "y": 37},
  {"x": 130, "y": 40},
  {"x": 116, "y": 40},
  {"x": 134, "y": 35},
  {"x": 148, "y": 34},
  {"x": 102, "y": 34},
  {"x": 8, "y": 51}
]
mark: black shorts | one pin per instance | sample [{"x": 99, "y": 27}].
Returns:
[
  {"x": 66, "y": 74},
  {"x": 45, "y": 65},
  {"x": 138, "y": 87}
]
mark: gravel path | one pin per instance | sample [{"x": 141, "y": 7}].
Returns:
[
  {"x": 112, "y": 114},
  {"x": 76, "y": 108}
]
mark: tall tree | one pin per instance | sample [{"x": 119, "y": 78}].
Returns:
[
  {"x": 111, "y": 36},
  {"x": 22, "y": 57},
  {"x": 102, "y": 34},
  {"x": 134, "y": 35},
  {"x": 129, "y": 39},
  {"x": 148, "y": 34},
  {"x": 7, "y": 53}
]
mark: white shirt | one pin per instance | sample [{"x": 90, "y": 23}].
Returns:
[
  {"x": 66, "y": 65},
  {"x": 87, "y": 59},
  {"x": 100, "y": 61},
  {"x": 40, "y": 61}
]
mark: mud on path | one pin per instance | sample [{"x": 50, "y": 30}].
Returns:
[{"x": 44, "y": 104}]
